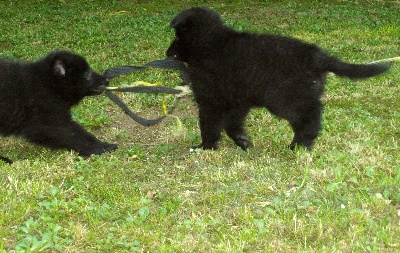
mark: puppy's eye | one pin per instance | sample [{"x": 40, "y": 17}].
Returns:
[{"x": 88, "y": 75}]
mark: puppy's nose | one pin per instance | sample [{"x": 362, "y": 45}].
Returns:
[
  {"x": 106, "y": 81},
  {"x": 172, "y": 57}
]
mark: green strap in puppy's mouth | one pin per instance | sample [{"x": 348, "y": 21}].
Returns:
[{"x": 97, "y": 90}]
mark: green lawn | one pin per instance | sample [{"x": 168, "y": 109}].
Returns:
[{"x": 154, "y": 195}]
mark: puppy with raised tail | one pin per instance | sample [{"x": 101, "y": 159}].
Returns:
[{"x": 232, "y": 72}]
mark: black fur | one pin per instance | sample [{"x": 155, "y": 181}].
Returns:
[
  {"x": 36, "y": 99},
  {"x": 231, "y": 72},
  {"x": 5, "y": 159}
]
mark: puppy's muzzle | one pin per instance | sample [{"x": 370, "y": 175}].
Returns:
[{"x": 98, "y": 89}]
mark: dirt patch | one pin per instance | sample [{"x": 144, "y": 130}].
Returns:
[{"x": 126, "y": 131}]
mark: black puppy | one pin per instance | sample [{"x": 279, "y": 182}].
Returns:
[
  {"x": 231, "y": 72},
  {"x": 36, "y": 100}
]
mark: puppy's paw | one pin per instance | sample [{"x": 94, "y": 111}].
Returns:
[
  {"x": 109, "y": 146},
  {"x": 98, "y": 149},
  {"x": 306, "y": 145},
  {"x": 244, "y": 142},
  {"x": 205, "y": 146}
]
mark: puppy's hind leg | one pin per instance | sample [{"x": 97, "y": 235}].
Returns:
[{"x": 234, "y": 127}]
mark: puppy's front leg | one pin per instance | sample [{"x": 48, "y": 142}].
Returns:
[
  {"x": 69, "y": 135},
  {"x": 210, "y": 127},
  {"x": 96, "y": 146}
]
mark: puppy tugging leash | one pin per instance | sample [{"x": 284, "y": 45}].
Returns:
[
  {"x": 163, "y": 64},
  {"x": 117, "y": 71},
  {"x": 122, "y": 70}
]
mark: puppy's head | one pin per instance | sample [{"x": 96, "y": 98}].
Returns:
[
  {"x": 195, "y": 20},
  {"x": 190, "y": 27},
  {"x": 71, "y": 76}
]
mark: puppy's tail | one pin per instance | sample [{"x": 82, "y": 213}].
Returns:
[{"x": 355, "y": 71}]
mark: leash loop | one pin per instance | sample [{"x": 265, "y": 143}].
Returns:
[{"x": 123, "y": 70}]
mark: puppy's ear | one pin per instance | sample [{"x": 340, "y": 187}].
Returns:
[
  {"x": 179, "y": 21},
  {"x": 59, "y": 68}
]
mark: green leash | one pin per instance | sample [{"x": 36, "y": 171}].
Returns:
[
  {"x": 123, "y": 70},
  {"x": 163, "y": 64}
]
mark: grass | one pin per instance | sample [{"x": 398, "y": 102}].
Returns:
[{"x": 153, "y": 195}]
